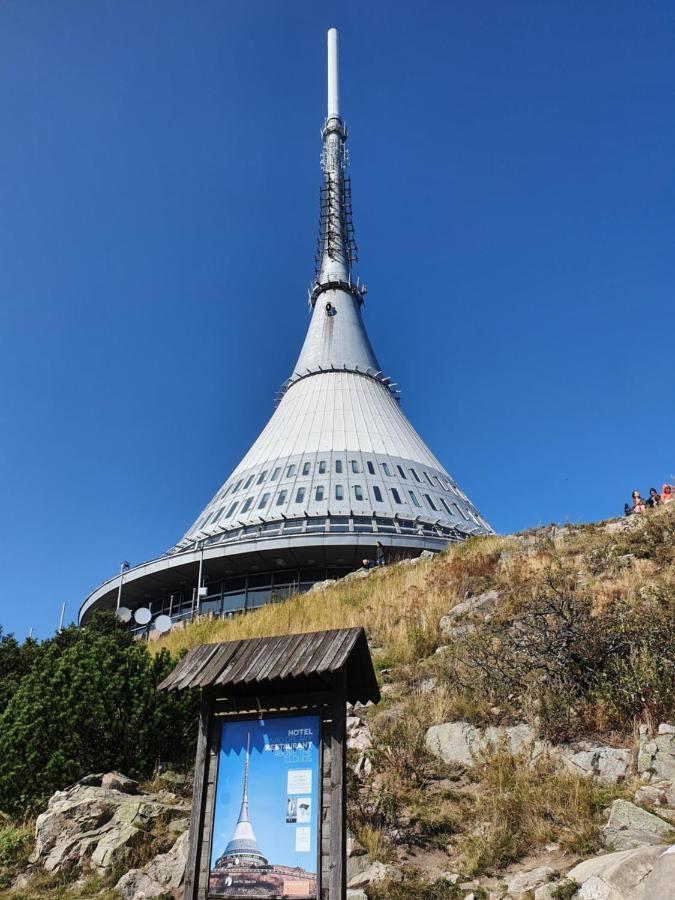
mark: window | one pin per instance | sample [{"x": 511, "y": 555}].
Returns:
[
  {"x": 249, "y": 481},
  {"x": 371, "y": 467},
  {"x": 338, "y": 466},
  {"x": 401, "y": 472},
  {"x": 386, "y": 469},
  {"x": 413, "y": 497},
  {"x": 358, "y": 492},
  {"x": 220, "y": 512},
  {"x": 440, "y": 483},
  {"x": 395, "y": 494},
  {"x": 262, "y": 477},
  {"x": 281, "y": 499},
  {"x": 231, "y": 510},
  {"x": 290, "y": 471},
  {"x": 447, "y": 508},
  {"x": 431, "y": 502},
  {"x": 322, "y": 467},
  {"x": 275, "y": 473},
  {"x": 378, "y": 493},
  {"x": 300, "y": 496},
  {"x": 306, "y": 468},
  {"x": 238, "y": 485},
  {"x": 355, "y": 466},
  {"x": 263, "y": 501},
  {"x": 247, "y": 504},
  {"x": 428, "y": 478},
  {"x": 318, "y": 495},
  {"x": 339, "y": 492},
  {"x": 415, "y": 476}
]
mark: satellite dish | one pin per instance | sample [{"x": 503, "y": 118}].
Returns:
[
  {"x": 163, "y": 624},
  {"x": 142, "y": 615},
  {"x": 123, "y": 614}
]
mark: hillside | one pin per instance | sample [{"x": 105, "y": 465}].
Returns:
[{"x": 527, "y": 715}]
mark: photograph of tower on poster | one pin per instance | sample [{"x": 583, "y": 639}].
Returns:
[{"x": 265, "y": 826}]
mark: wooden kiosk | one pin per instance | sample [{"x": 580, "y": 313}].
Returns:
[{"x": 271, "y": 763}]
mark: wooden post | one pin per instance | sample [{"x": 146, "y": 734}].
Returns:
[
  {"x": 338, "y": 826},
  {"x": 198, "y": 797}
]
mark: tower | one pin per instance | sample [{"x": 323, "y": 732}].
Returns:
[
  {"x": 243, "y": 845},
  {"x": 337, "y": 469}
]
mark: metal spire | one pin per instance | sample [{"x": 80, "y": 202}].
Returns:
[
  {"x": 243, "y": 842},
  {"x": 336, "y": 248}
]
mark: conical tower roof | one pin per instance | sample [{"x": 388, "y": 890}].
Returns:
[{"x": 337, "y": 467}]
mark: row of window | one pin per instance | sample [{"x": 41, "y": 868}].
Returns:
[
  {"x": 322, "y": 467},
  {"x": 223, "y": 514}
]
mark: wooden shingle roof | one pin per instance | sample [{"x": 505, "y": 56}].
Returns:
[{"x": 298, "y": 662}]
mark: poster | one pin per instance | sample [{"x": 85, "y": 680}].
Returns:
[{"x": 265, "y": 825}]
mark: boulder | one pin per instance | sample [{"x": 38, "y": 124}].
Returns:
[
  {"x": 616, "y": 876},
  {"x": 357, "y": 894},
  {"x": 607, "y": 764},
  {"x": 653, "y": 794},
  {"x": 162, "y": 875},
  {"x": 376, "y": 871},
  {"x": 661, "y": 880},
  {"x": 458, "y": 622},
  {"x": 630, "y": 826},
  {"x": 525, "y": 882},
  {"x": 113, "y": 781},
  {"x": 460, "y": 743},
  {"x": 656, "y": 756}
]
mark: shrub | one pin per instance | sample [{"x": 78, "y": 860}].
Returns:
[{"x": 89, "y": 704}]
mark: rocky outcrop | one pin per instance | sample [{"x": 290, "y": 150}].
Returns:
[
  {"x": 623, "y": 875},
  {"x": 459, "y": 743},
  {"x": 630, "y": 826},
  {"x": 163, "y": 875},
  {"x": 93, "y": 825}
]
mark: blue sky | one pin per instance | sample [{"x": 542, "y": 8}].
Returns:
[
  {"x": 268, "y": 782},
  {"x": 513, "y": 189}
]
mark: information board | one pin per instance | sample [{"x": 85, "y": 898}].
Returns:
[{"x": 264, "y": 842}]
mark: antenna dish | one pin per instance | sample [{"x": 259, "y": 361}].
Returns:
[
  {"x": 163, "y": 624},
  {"x": 123, "y": 614},
  {"x": 142, "y": 615}
]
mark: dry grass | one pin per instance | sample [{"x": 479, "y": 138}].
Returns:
[{"x": 520, "y": 807}]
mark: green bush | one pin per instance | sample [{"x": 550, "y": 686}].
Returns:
[{"x": 89, "y": 704}]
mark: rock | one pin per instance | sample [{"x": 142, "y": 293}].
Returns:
[
  {"x": 616, "y": 876},
  {"x": 654, "y": 794},
  {"x": 524, "y": 882},
  {"x": 661, "y": 880},
  {"x": 427, "y": 685},
  {"x": 362, "y": 767},
  {"x": 656, "y": 757},
  {"x": 358, "y": 894},
  {"x": 451, "y": 877},
  {"x": 358, "y": 574},
  {"x": 320, "y": 586},
  {"x": 460, "y": 743},
  {"x": 113, "y": 781},
  {"x": 457, "y": 623},
  {"x": 91, "y": 828},
  {"x": 376, "y": 871},
  {"x": 354, "y": 848},
  {"x": 629, "y": 826},
  {"x": 607, "y": 764},
  {"x": 162, "y": 875},
  {"x": 545, "y": 892}
]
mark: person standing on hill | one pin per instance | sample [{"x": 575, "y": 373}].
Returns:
[{"x": 379, "y": 554}]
